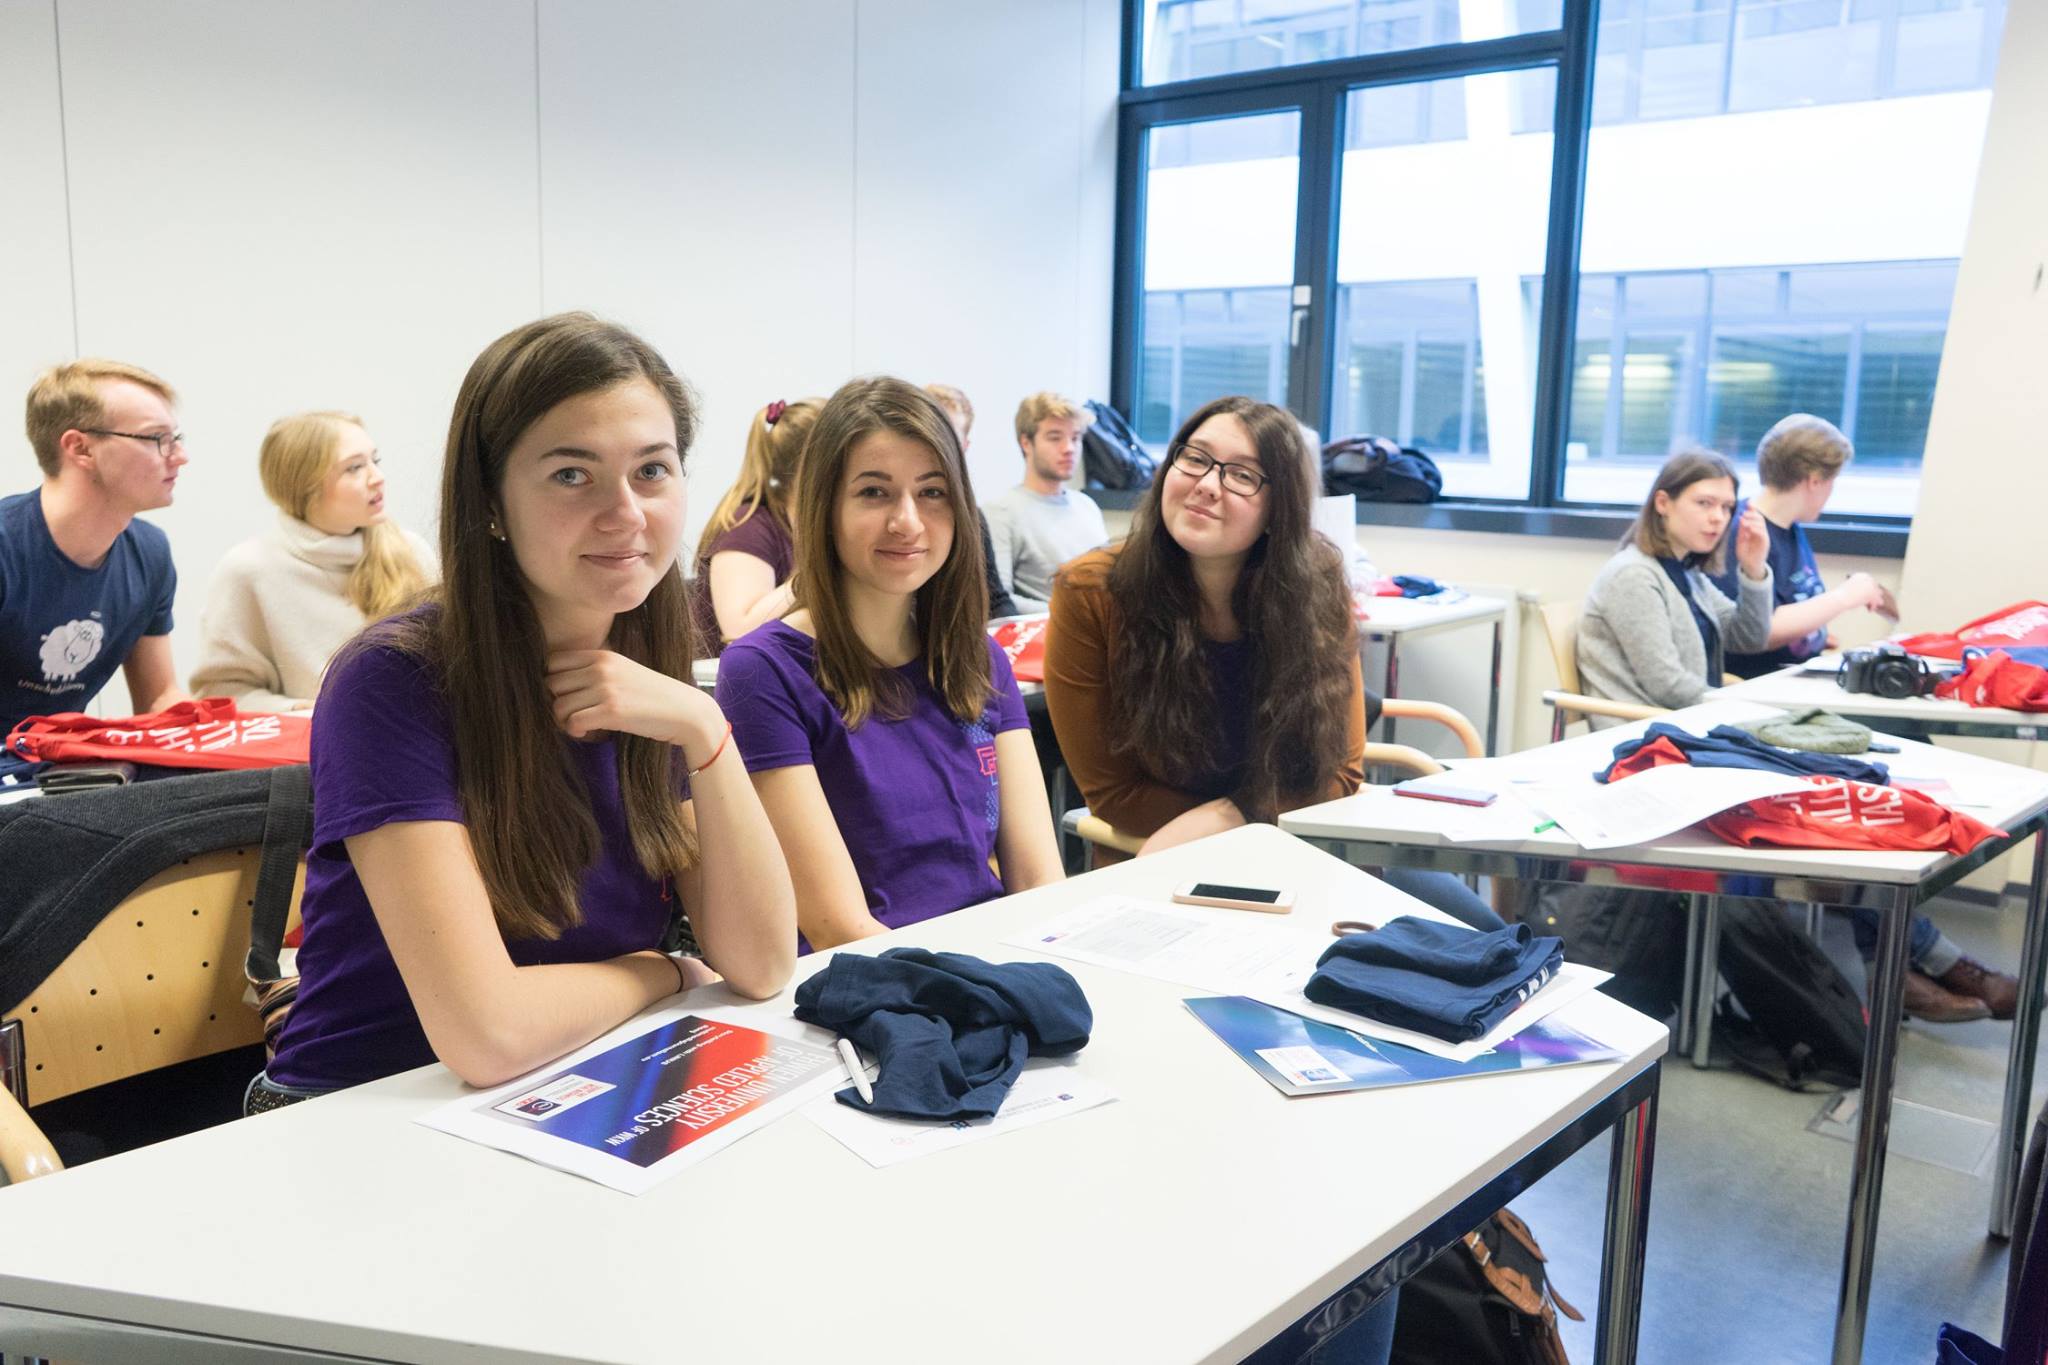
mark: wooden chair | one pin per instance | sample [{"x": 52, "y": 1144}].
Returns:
[
  {"x": 1568, "y": 703},
  {"x": 158, "y": 982}
]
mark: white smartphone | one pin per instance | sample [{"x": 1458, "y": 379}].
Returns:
[{"x": 1265, "y": 898}]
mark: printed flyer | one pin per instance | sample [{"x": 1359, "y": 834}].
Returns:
[
  {"x": 631, "y": 1113},
  {"x": 1308, "y": 1057}
]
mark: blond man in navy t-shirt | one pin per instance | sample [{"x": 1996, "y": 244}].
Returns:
[{"x": 85, "y": 588}]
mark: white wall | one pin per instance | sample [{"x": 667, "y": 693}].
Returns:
[{"x": 280, "y": 207}]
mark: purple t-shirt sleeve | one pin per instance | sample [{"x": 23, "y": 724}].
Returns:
[
  {"x": 759, "y": 697},
  {"x": 1009, "y": 701},
  {"x": 761, "y": 537},
  {"x": 382, "y": 750}
]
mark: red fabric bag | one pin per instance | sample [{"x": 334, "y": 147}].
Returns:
[
  {"x": 1832, "y": 813},
  {"x": 1836, "y": 813},
  {"x": 1024, "y": 642},
  {"x": 210, "y": 733},
  {"x": 1998, "y": 679},
  {"x": 2022, "y": 623}
]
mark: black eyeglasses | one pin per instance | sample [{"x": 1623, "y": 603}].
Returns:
[
  {"x": 1196, "y": 462},
  {"x": 164, "y": 441}
]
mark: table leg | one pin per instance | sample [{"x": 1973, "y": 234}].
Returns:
[
  {"x": 1393, "y": 679},
  {"x": 2026, "y": 1039},
  {"x": 1706, "y": 980},
  {"x": 1493, "y": 694},
  {"x": 1629, "y": 1169},
  {"x": 1873, "y": 1128},
  {"x": 1689, "y": 984}
]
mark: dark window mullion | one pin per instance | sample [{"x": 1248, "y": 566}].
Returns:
[{"x": 1558, "y": 326}]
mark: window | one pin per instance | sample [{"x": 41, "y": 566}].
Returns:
[
  {"x": 1436, "y": 184},
  {"x": 1717, "y": 357},
  {"x": 1363, "y": 213},
  {"x": 1190, "y": 39},
  {"x": 1219, "y": 257}
]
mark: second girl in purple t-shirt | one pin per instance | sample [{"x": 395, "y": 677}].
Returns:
[{"x": 884, "y": 730}]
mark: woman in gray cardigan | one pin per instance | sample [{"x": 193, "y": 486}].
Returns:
[{"x": 1654, "y": 629}]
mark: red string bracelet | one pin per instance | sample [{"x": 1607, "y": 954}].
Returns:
[{"x": 724, "y": 740}]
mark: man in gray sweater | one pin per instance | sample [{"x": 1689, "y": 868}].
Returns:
[{"x": 1041, "y": 523}]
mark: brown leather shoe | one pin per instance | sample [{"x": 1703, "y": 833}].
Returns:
[
  {"x": 1928, "y": 999},
  {"x": 1972, "y": 978}
]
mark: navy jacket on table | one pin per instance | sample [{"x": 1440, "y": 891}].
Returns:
[
  {"x": 1724, "y": 746},
  {"x": 951, "y": 1031},
  {"x": 1444, "y": 980}
]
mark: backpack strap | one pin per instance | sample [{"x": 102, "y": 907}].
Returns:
[{"x": 287, "y": 829}]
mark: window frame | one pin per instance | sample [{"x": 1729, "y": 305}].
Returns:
[{"x": 1319, "y": 91}]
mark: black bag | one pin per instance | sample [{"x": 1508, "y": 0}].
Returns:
[
  {"x": 1111, "y": 454},
  {"x": 1377, "y": 470},
  {"x": 1485, "y": 1301},
  {"x": 1806, "y": 1026},
  {"x": 1639, "y": 935},
  {"x": 71, "y": 859}
]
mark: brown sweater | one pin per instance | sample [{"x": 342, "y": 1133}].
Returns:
[{"x": 1080, "y": 670}]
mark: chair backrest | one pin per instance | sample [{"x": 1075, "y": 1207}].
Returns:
[
  {"x": 1561, "y": 626},
  {"x": 159, "y": 981}
]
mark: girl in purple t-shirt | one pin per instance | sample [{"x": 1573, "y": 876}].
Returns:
[
  {"x": 512, "y": 785},
  {"x": 745, "y": 556},
  {"x": 883, "y": 728}
]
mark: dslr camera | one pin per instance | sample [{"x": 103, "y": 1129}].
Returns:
[{"x": 1888, "y": 671}]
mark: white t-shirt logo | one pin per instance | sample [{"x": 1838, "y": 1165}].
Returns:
[{"x": 69, "y": 648}]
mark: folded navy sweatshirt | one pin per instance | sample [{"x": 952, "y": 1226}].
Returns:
[
  {"x": 1444, "y": 980},
  {"x": 951, "y": 1031}
]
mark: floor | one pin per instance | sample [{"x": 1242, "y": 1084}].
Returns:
[{"x": 1748, "y": 1209}]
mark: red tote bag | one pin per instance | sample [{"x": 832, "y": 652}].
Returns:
[
  {"x": 1024, "y": 642},
  {"x": 2022, "y": 623},
  {"x": 211, "y": 733}
]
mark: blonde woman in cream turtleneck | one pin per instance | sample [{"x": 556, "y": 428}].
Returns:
[{"x": 281, "y": 605}]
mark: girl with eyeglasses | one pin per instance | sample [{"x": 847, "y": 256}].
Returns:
[
  {"x": 883, "y": 727},
  {"x": 1205, "y": 672}
]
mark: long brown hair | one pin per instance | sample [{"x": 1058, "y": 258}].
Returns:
[
  {"x": 951, "y": 609},
  {"x": 767, "y": 471},
  {"x": 529, "y": 812},
  {"x": 1292, "y": 601},
  {"x": 294, "y": 461},
  {"x": 1688, "y": 466}
]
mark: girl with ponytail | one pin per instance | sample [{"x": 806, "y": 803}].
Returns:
[
  {"x": 281, "y": 605},
  {"x": 745, "y": 556}
]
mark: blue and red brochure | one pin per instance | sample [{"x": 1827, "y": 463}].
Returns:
[
  {"x": 1308, "y": 1057},
  {"x": 632, "y": 1113}
]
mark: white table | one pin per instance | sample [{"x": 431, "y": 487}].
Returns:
[
  {"x": 1794, "y": 689},
  {"x": 1200, "y": 1217},
  {"x": 1394, "y": 619},
  {"x": 1374, "y": 828}
]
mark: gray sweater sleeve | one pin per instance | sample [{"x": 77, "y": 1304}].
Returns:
[
  {"x": 1633, "y": 604},
  {"x": 1746, "y": 622}
]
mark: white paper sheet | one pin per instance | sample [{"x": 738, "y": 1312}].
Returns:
[
  {"x": 1174, "y": 943},
  {"x": 1652, "y": 804},
  {"x": 1048, "y": 1088}
]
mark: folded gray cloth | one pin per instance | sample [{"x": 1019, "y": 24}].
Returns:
[{"x": 1813, "y": 731}]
